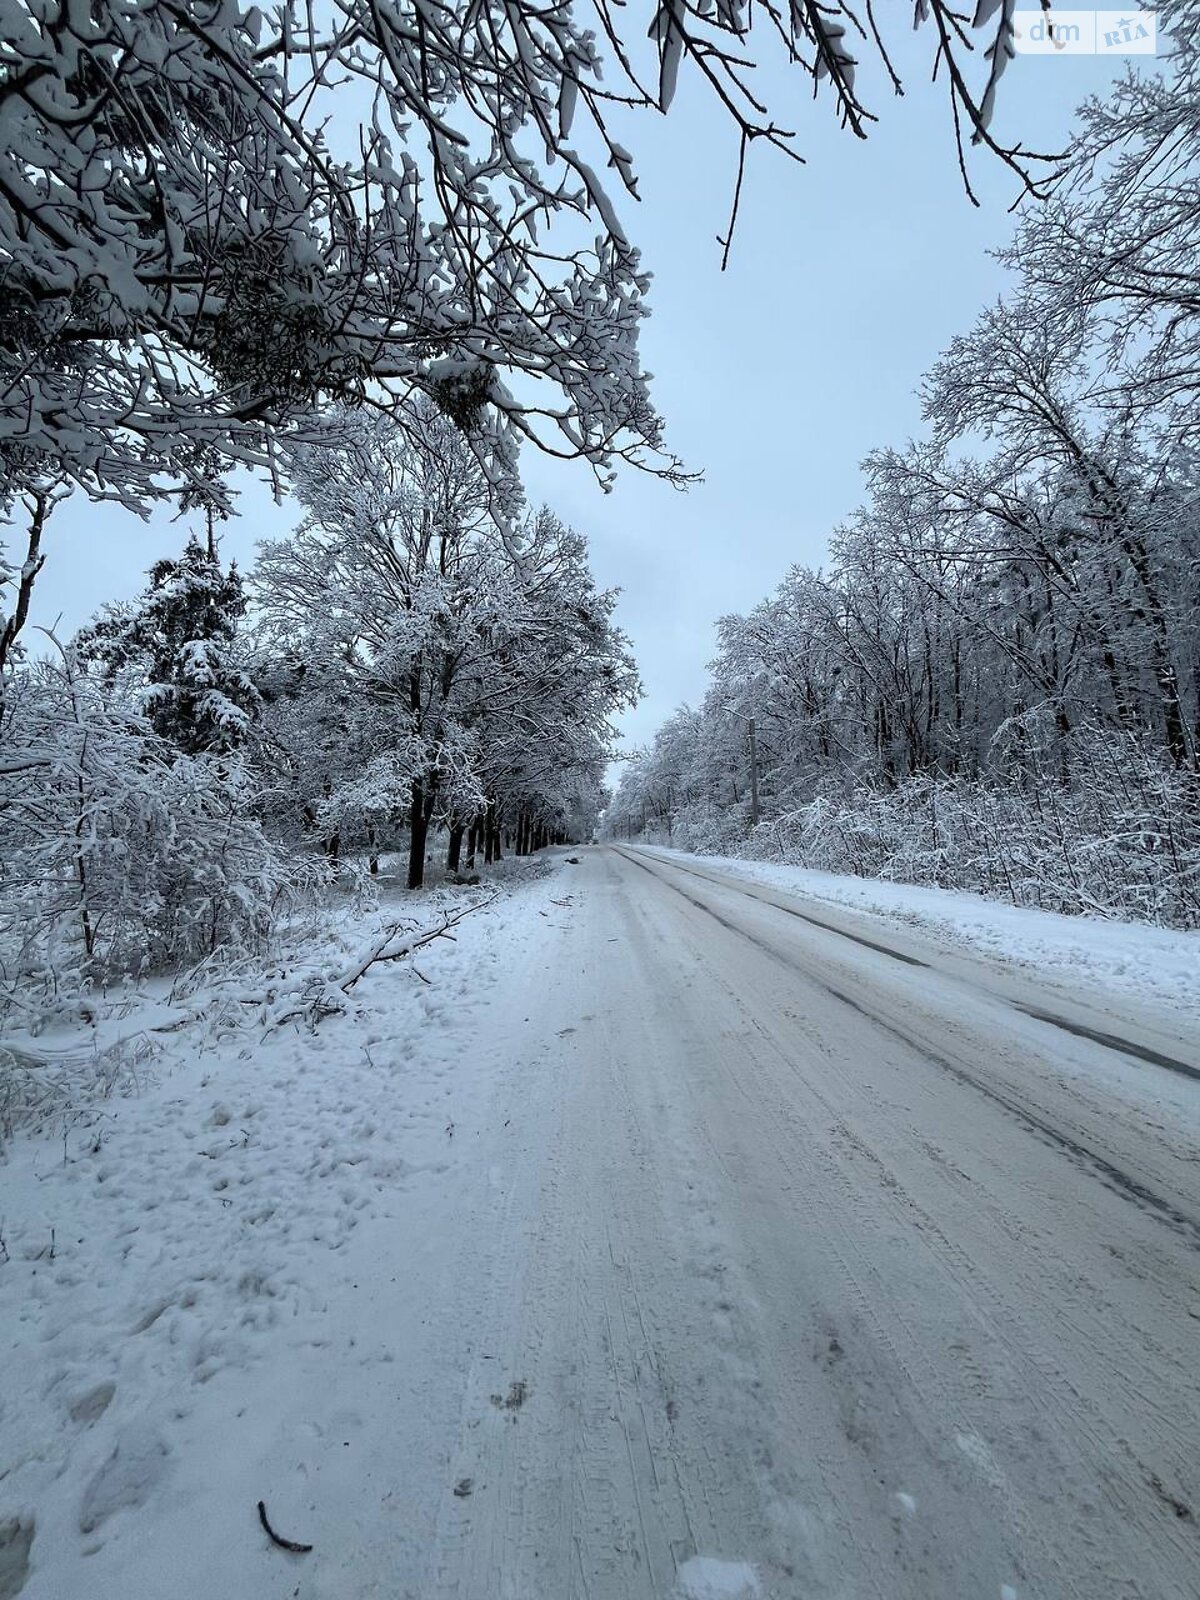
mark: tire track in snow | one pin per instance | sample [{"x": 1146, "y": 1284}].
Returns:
[
  {"x": 1109, "y": 1041},
  {"x": 881, "y": 1402},
  {"x": 1082, "y": 1155},
  {"x": 1053, "y": 1302}
]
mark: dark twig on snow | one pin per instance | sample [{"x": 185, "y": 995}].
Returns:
[{"x": 284, "y": 1544}]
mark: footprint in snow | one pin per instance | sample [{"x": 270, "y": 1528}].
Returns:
[
  {"x": 88, "y": 1407},
  {"x": 16, "y": 1541},
  {"x": 138, "y": 1463}
]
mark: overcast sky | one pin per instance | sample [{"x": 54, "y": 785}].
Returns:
[{"x": 849, "y": 275}]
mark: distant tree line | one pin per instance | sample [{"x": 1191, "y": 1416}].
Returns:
[{"x": 995, "y": 682}]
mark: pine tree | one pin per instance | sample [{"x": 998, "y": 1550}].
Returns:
[{"x": 179, "y": 637}]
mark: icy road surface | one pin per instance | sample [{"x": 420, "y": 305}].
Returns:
[
  {"x": 823, "y": 1275},
  {"x": 704, "y": 1243}
]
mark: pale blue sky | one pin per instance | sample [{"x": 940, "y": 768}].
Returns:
[{"x": 848, "y": 276}]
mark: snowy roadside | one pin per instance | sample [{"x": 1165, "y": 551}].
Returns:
[
  {"x": 167, "y": 1253},
  {"x": 1159, "y": 965}
]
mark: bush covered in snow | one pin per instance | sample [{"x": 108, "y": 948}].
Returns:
[
  {"x": 1125, "y": 842},
  {"x": 120, "y": 854},
  {"x": 1129, "y": 850}
]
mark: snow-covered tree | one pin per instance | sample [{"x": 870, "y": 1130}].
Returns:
[
  {"x": 30, "y": 511},
  {"x": 474, "y": 666},
  {"x": 543, "y": 707},
  {"x": 176, "y": 648},
  {"x": 1111, "y": 261},
  {"x": 215, "y": 217},
  {"x": 378, "y": 591}
]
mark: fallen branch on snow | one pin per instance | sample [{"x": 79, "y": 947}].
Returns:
[
  {"x": 394, "y": 946},
  {"x": 310, "y": 994}
]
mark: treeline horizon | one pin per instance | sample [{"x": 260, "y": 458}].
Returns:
[{"x": 995, "y": 681}]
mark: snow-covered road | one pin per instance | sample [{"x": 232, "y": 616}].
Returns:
[
  {"x": 825, "y": 1275},
  {"x": 736, "y": 1255}
]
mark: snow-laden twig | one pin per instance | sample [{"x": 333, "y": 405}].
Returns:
[{"x": 316, "y": 996}]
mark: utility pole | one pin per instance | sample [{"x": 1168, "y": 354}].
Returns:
[
  {"x": 752, "y": 730},
  {"x": 753, "y": 775}
]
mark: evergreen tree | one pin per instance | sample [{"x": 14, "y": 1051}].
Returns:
[{"x": 179, "y": 639}]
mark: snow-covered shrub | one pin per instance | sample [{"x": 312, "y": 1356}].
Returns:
[
  {"x": 705, "y": 829},
  {"x": 1122, "y": 839},
  {"x": 119, "y": 853},
  {"x": 41, "y": 1084}
]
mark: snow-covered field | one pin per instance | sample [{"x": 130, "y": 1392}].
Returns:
[
  {"x": 665, "y": 1244},
  {"x": 1132, "y": 958}
]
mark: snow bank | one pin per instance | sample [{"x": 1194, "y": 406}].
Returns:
[
  {"x": 168, "y": 1256},
  {"x": 1161, "y": 965}
]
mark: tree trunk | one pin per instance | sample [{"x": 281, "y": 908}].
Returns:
[
  {"x": 34, "y": 561},
  {"x": 85, "y": 916},
  {"x": 454, "y": 849},
  {"x": 418, "y": 823}
]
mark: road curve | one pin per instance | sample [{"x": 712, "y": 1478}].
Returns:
[{"x": 821, "y": 1271}]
